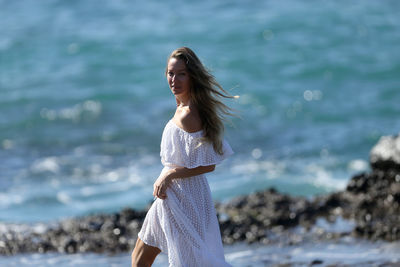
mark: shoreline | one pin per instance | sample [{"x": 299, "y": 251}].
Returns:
[
  {"x": 368, "y": 209},
  {"x": 345, "y": 252}
]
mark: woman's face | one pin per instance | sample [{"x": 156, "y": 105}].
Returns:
[{"x": 178, "y": 77}]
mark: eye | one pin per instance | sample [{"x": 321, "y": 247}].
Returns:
[{"x": 170, "y": 73}]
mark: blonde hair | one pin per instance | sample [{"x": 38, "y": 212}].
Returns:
[{"x": 206, "y": 94}]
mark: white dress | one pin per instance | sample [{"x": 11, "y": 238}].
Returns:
[{"x": 185, "y": 225}]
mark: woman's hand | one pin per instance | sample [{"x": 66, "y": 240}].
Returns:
[
  {"x": 167, "y": 175},
  {"x": 161, "y": 184}
]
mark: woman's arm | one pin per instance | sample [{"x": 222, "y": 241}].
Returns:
[
  {"x": 166, "y": 177},
  {"x": 183, "y": 172}
]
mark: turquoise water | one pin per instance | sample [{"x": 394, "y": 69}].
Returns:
[{"x": 83, "y": 97}]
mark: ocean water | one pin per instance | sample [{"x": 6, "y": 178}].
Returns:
[{"x": 84, "y": 99}]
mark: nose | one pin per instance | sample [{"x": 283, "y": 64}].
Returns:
[{"x": 173, "y": 78}]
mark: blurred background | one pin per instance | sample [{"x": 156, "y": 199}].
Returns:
[{"x": 84, "y": 99}]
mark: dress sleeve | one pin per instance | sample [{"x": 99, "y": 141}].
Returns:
[{"x": 186, "y": 150}]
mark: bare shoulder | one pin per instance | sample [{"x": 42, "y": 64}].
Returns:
[{"x": 188, "y": 119}]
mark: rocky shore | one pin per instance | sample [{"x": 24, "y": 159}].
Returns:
[
  {"x": 370, "y": 205},
  {"x": 371, "y": 201}
]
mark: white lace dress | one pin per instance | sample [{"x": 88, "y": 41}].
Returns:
[{"x": 185, "y": 225}]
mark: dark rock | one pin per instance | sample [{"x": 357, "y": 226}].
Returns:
[
  {"x": 372, "y": 200},
  {"x": 375, "y": 204},
  {"x": 316, "y": 262},
  {"x": 96, "y": 233},
  {"x": 69, "y": 245}
]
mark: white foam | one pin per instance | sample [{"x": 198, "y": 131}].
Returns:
[
  {"x": 272, "y": 169},
  {"x": 75, "y": 113},
  {"x": 357, "y": 165},
  {"x": 49, "y": 164},
  {"x": 8, "y": 199},
  {"x": 63, "y": 197},
  {"x": 320, "y": 177}
]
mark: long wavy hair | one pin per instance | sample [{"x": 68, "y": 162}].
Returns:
[{"x": 206, "y": 94}]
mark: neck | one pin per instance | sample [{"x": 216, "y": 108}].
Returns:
[{"x": 183, "y": 100}]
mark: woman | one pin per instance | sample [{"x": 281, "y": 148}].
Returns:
[{"x": 182, "y": 221}]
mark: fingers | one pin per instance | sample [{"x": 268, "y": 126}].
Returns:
[{"x": 159, "y": 192}]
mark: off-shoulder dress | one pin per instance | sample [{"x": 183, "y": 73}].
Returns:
[{"x": 185, "y": 225}]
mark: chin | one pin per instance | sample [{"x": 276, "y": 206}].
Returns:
[{"x": 176, "y": 92}]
